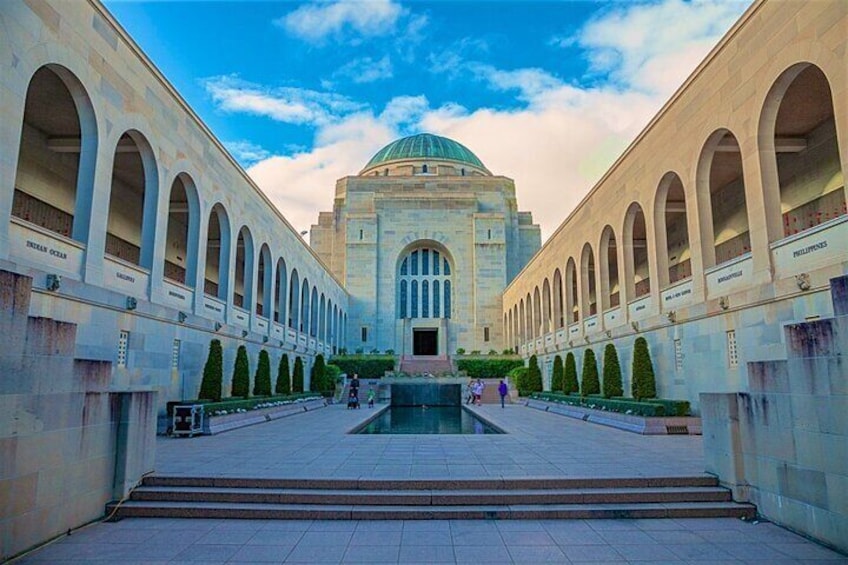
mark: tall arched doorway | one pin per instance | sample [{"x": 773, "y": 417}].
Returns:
[{"x": 424, "y": 299}]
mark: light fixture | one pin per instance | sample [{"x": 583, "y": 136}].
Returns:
[
  {"x": 218, "y": 326},
  {"x": 635, "y": 326},
  {"x": 243, "y": 333},
  {"x": 181, "y": 316},
  {"x": 132, "y": 303},
  {"x": 803, "y": 281},
  {"x": 609, "y": 333},
  {"x": 264, "y": 339},
  {"x": 53, "y": 282},
  {"x": 724, "y": 302},
  {"x": 671, "y": 315}
]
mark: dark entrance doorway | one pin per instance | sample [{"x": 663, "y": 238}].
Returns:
[{"x": 425, "y": 342}]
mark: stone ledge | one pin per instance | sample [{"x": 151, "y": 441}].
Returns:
[
  {"x": 628, "y": 422},
  {"x": 217, "y": 424}
]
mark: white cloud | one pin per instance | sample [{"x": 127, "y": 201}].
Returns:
[
  {"x": 320, "y": 21},
  {"x": 366, "y": 69},
  {"x": 655, "y": 46},
  {"x": 283, "y": 104},
  {"x": 246, "y": 153},
  {"x": 555, "y": 146}
]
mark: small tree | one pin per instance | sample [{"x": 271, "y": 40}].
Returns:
[
  {"x": 213, "y": 373},
  {"x": 534, "y": 375},
  {"x": 589, "y": 383},
  {"x": 569, "y": 381},
  {"x": 297, "y": 377},
  {"x": 612, "y": 373},
  {"x": 643, "y": 383},
  {"x": 241, "y": 374},
  {"x": 557, "y": 377},
  {"x": 318, "y": 375},
  {"x": 262, "y": 380},
  {"x": 283, "y": 385}
]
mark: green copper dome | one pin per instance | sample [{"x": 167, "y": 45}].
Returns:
[{"x": 425, "y": 146}]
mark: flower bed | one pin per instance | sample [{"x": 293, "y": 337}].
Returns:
[
  {"x": 649, "y": 421},
  {"x": 218, "y": 421}
]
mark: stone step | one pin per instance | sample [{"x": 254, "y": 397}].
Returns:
[
  {"x": 537, "y": 483},
  {"x": 478, "y": 497},
  {"x": 134, "y": 508}
]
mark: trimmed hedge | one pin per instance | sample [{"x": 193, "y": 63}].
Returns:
[
  {"x": 318, "y": 377},
  {"x": 241, "y": 374},
  {"x": 283, "y": 385},
  {"x": 366, "y": 366},
  {"x": 569, "y": 380},
  {"x": 674, "y": 407},
  {"x": 483, "y": 368},
  {"x": 589, "y": 383},
  {"x": 518, "y": 377},
  {"x": 213, "y": 373},
  {"x": 262, "y": 380},
  {"x": 648, "y": 409},
  {"x": 557, "y": 376},
  {"x": 643, "y": 383},
  {"x": 249, "y": 404},
  {"x": 612, "y": 385},
  {"x": 297, "y": 376}
]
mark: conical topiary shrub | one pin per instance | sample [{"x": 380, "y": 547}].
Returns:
[
  {"x": 213, "y": 373},
  {"x": 297, "y": 377},
  {"x": 317, "y": 376},
  {"x": 644, "y": 384},
  {"x": 262, "y": 380},
  {"x": 534, "y": 375},
  {"x": 556, "y": 377},
  {"x": 569, "y": 380},
  {"x": 283, "y": 385},
  {"x": 612, "y": 373},
  {"x": 241, "y": 374},
  {"x": 589, "y": 384}
]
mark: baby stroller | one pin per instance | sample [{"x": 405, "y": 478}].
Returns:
[{"x": 352, "y": 400}]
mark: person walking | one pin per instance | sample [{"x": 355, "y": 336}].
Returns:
[
  {"x": 503, "y": 390},
  {"x": 478, "y": 392},
  {"x": 469, "y": 391}
]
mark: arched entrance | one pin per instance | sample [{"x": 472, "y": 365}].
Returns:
[{"x": 424, "y": 299}]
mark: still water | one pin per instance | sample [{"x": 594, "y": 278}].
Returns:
[{"x": 430, "y": 420}]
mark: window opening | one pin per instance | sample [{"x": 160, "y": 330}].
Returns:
[
  {"x": 732, "y": 352},
  {"x": 175, "y": 354},
  {"x": 678, "y": 355},
  {"x": 123, "y": 344},
  {"x": 486, "y": 334},
  {"x": 364, "y": 333}
]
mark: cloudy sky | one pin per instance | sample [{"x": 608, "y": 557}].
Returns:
[{"x": 548, "y": 93}]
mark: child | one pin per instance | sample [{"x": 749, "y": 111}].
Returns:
[
  {"x": 352, "y": 400},
  {"x": 371, "y": 397}
]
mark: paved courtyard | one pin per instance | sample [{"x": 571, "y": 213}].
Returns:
[
  {"x": 538, "y": 444},
  {"x": 315, "y": 444}
]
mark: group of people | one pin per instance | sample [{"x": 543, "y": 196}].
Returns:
[
  {"x": 474, "y": 391},
  {"x": 353, "y": 394}
]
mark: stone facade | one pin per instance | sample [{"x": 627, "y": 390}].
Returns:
[
  {"x": 724, "y": 220},
  {"x": 462, "y": 212}
]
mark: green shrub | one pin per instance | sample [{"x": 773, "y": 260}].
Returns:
[
  {"x": 213, "y": 373},
  {"x": 262, "y": 380},
  {"x": 534, "y": 375},
  {"x": 318, "y": 376},
  {"x": 241, "y": 374},
  {"x": 557, "y": 376},
  {"x": 518, "y": 377},
  {"x": 589, "y": 383},
  {"x": 231, "y": 405},
  {"x": 492, "y": 352},
  {"x": 569, "y": 380},
  {"x": 297, "y": 377},
  {"x": 460, "y": 351},
  {"x": 366, "y": 366},
  {"x": 283, "y": 385},
  {"x": 507, "y": 352},
  {"x": 623, "y": 406},
  {"x": 612, "y": 373},
  {"x": 488, "y": 368},
  {"x": 674, "y": 407},
  {"x": 643, "y": 383}
]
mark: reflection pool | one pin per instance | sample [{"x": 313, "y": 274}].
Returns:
[{"x": 427, "y": 420}]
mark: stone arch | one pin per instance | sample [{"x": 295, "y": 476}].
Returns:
[
  {"x": 608, "y": 263},
  {"x": 637, "y": 275},
  {"x": 59, "y": 127},
  {"x": 264, "y": 283},
  {"x": 572, "y": 290},
  {"x": 588, "y": 296},
  {"x": 674, "y": 255},
  {"x": 243, "y": 270},
  {"x": 217, "y": 268},
  {"x": 546, "y": 307},
  {"x": 182, "y": 231},
  {"x": 559, "y": 317},
  {"x": 803, "y": 180}
]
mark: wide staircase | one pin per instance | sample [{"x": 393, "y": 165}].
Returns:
[
  {"x": 420, "y": 365},
  {"x": 411, "y": 499}
]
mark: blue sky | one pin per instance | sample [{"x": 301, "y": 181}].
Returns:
[{"x": 547, "y": 93}]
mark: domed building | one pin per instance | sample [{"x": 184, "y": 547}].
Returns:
[{"x": 425, "y": 239}]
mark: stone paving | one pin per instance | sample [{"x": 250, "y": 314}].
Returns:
[{"x": 538, "y": 444}]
